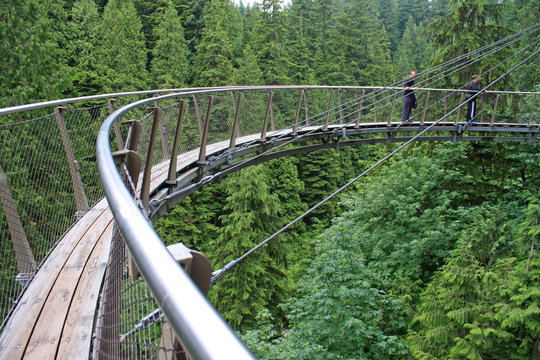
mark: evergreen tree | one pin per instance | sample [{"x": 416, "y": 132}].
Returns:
[
  {"x": 248, "y": 72},
  {"x": 469, "y": 26},
  {"x": 257, "y": 282},
  {"x": 83, "y": 43},
  {"x": 31, "y": 69},
  {"x": 270, "y": 42},
  {"x": 169, "y": 66},
  {"x": 122, "y": 57},
  {"x": 213, "y": 61},
  {"x": 482, "y": 303},
  {"x": 412, "y": 50}
]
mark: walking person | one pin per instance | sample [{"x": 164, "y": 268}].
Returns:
[
  {"x": 409, "y": 98},
  {"x": 474, "y": 90}
]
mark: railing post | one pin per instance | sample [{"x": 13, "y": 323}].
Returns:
[
  {"x": 268, "y": 110},
  {"x": 26, "y": 264},
  {"x": 78, "y": 190},
  {"x": 145, "y": 188},
  {"x": 521, "y": 109},
  {"x": 236, "y": 124},
  {"x": 459, "y": 108},
  {"x": 198, "y": 113},
  {"x": 328, "y": 111},
  {"x": 445, "y": 102},
  {"x": 163, "y": 133},
  {"x": 297, "y": 115},
  {"x": 425, "y": 108},
  {"x": 204, "y": 137},
  {"x": 494, "y": 110},
  {"x": 306, "y": 108},
  {"x": 117, "y": 133},
  {"x": 360, "y": 108},
  {"x": 340, "y": 107},
  {"x": 532, "y": 109},
  {"x": 392, "y": 109},
  {"x": 171, "y": 178},
  {"x": 481, "y": 108},
  {"x": 134, "y": 134},
  {"x": 374, "y": 107}
]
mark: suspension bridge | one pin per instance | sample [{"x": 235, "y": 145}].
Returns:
[{"x": 83, "y": 272}]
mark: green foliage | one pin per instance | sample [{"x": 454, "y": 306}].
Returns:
[
  {"x": 484, "y": 301},
  {"x": 169, "y": 67},
  {"x": 122, "y": 58},
  {"x": 83, "y": 40},
  {"x": 213, "y": 61},
  {"x": 257, "y": 282},
  {"x": 30, "y": 69},
  {"x": 478, "y": 23}
]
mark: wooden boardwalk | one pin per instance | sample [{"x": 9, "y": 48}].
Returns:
[{"x": 55, "y": 316}]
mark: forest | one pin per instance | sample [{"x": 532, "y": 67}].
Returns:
[{"x": 432, "y": 256}]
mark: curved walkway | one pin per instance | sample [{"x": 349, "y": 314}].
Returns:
[{"x": 55, "y": 317}]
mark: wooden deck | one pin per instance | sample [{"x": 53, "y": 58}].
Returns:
[{"x": 55, "y": 316}]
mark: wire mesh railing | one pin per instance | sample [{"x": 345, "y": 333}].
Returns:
[
  {"x": 206, "y": 123},
  {"x": 49, "y": 179}
]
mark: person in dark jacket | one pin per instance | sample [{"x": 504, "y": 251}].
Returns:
[
  {"x": 474, "y": 90},
  {"x": 409, "y": 99}
]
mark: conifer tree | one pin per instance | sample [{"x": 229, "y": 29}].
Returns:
[
  {"x": 169, "y": 67},
  {"x": 122, "y": 55},
  {"x": 213, "y": 60},
  {"x": 31, "y": 69},
  {"x": 83, "y": 43},
  {"x": 248, "y": 71},
  {"x": 412, "y": 50},
  {"x": 469, "y": 26},
  {"x": 269, "y": 43},
  {"x": 257, "y": 282}
]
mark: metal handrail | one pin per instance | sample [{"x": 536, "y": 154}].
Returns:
[{"x": 202, "y": 331}]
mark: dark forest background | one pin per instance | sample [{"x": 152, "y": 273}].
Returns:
[{"x": 433, "y": 256}]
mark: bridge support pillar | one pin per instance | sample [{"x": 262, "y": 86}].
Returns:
[
  {"x": 78, "y": 190},
  {"x": 26, "y": 264}
]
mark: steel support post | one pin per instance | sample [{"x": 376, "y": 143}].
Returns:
[
  {"x": 268, "y": 111},
  {"x": 425, "y": 108},
  {"x": 117, "y": 133},
  {"x": 459, "y": 108},
  {"x": 340, "y": 107},
  {"x": 392, "y": 109},
  {"x": 23, "y": 253},
  {"x": 198, "y": 113},
  {"x": 306, "y": 108},
  {"x": 78, "y": 190},
  {"x": 145, "y": 189},
  {"x": 204, "y": 136},
  {"x": 482, "y": 108},
  {"x": 521, "y": 109},
  {"x": 297, "y": 114},
  {"x": 374, "y": 107},
  {"x": 171, "y": 178},
  {"x": 494, "y": 110},
  {"x": 360, "y": 108},
  {"x": 532, "y": 110},
  {"x": 328, "y": 110},
  {"x": 445, "y": 102},
  {"x": 236, "y": 123},
  {"x": 163, "y": 134}
]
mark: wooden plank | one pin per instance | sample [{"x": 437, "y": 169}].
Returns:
[
  {"x": 18, "y": 329},
  {"x": 48, "y": 327},
  {"x": 76, "y": 336}
]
